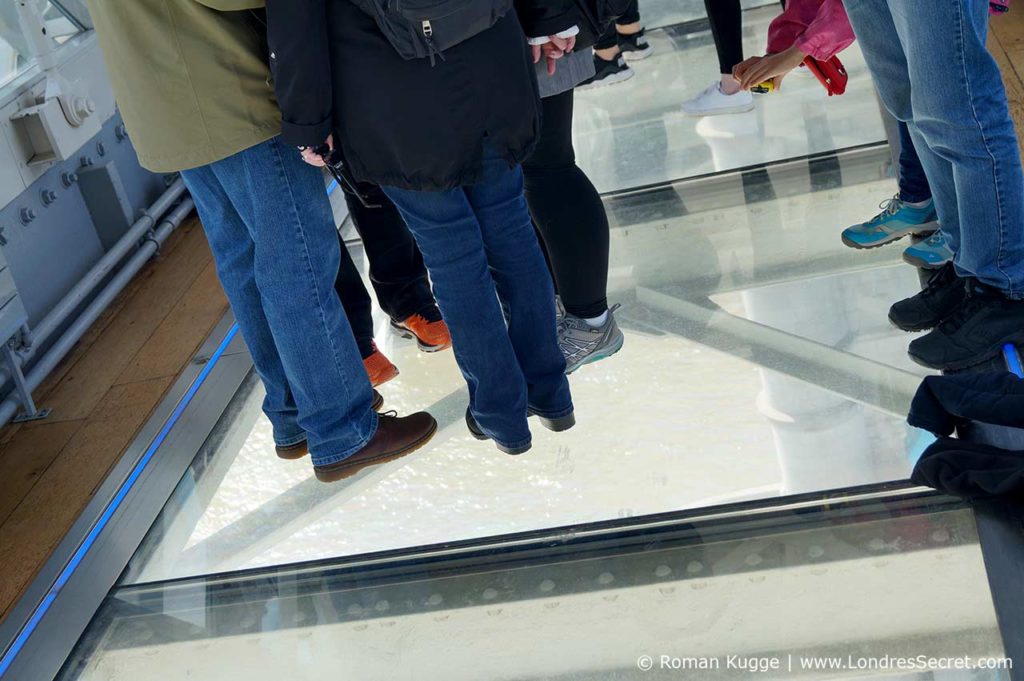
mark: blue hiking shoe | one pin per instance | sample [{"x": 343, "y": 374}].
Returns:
[
  {"x": 930, "y": 254},
  {"x": 896, "y": 221}
]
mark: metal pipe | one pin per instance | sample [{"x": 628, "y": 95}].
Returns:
[
  {"x": 40, "y": 333},
  {"x": 96, "y": 307},
  {"x": 87, "y": 284}
]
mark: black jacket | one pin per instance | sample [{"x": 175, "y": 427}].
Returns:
[
  {"x": 406, "y": 123},
  {"x": 944, "y": 404}
]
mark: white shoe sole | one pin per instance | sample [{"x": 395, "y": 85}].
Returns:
[
  {"x": 638, "y": 55},
  {"x": 610, "y": 80}
]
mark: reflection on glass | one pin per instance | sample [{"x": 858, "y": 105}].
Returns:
[
  {"x": 851, "y": 589},
  {"x": 14, "y": 53}
]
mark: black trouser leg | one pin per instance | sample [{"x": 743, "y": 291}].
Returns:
[
  {"x": 632, "y": 15},
  {"x": 356, "y": 301},
  {"x": 397, "y": 272},
  {"x": 610, "y": 38},
  {"x": 568, "y": 213},
  {"x": 727, "y": 28}
]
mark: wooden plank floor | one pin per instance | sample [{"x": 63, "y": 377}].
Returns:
[
  {"x": 106, "y": 389},
  {"x": 1006, "y": 42},
  {"x": 101, "y": 395}
]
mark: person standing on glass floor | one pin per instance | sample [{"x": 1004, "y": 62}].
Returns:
[
  {"x": 191, "y": 80},
  {"x": 442, "y": 128}
]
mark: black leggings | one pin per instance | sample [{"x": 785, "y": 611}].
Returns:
[
  {"x": 726, "y": 17},
  {"x": 568, "y": 213}
]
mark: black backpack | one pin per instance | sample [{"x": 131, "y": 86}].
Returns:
[
  {"x": 426, "y": 28},
  {"x": 598, "y": 16}
]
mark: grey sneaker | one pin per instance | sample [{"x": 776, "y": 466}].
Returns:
[
  {"x": 559, "y": 309},
  {"x": 582, "y": 344}
]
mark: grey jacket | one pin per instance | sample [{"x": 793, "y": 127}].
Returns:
[{"x": 570, "y": 71}]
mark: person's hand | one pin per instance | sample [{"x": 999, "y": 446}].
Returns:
[
  {"x": 565, "y": 45},
  {"x": 553, "y": 50},
  {"x": 774, "y": 67},
  {"x": 315, "y": 159}
]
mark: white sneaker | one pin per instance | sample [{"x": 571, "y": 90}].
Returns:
[{"x": 713, "y": 102}]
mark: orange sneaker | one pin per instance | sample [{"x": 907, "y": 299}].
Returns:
[
  {"x": 379, "y": 368},
  {"x": 430, "y": 336}
]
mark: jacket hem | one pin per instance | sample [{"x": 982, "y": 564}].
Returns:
[
  {"x": 196, "y": 158},
  {"x": 469, "y": 175}
]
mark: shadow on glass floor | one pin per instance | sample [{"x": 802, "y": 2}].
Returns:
[
  {"x": 634, "y": 133},
  {"x": 757, "y": 363}
]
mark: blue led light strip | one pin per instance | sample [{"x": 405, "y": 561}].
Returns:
[
  {"x": 1013, "y": 360},
  {"x": 26, "y": 631},
  {"x": 331, "y": 187}
]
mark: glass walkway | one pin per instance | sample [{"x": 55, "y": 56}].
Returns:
[{"x": 731, "y": 501}]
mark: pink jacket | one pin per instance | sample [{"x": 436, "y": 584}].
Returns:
[{"x": 818, "y": 27}]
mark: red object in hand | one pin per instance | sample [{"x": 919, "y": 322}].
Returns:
[{"x": 832, "y": 74}]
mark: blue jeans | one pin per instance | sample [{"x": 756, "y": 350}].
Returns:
[
  {"x": 272, "y": 234},
  {"x": 930, "y": 65},
  {"x": 479, "y": 245},
  {"x": 914, "y": 186}
]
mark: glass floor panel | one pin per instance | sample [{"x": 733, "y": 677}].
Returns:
[
  {"x": 834, "y": 598},
  {"x": 634, "y": 133},
  {"x": 757, "y": 363},
  {"x": 661, "y": 13}
]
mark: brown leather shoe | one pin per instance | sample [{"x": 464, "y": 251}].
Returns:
[
  {"x": 300, "y": 449},
  {"x": 395, "y": 437}
]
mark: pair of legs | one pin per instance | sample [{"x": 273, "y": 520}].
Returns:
[
  {"x": 726, "y": 18},
  {"x": 910, "y": 213},
  {"x": 397, "y": 273},
  {"x": 934, "y": 73},
  {"x": 623, "y": 39},
  {"x": 482, "y": 252},
  {"x": 573, "y": 227},
  {"x": 607, "y": 46},
  {"x": 724, "y": 96},
  {"x": 272, "y": 234}
]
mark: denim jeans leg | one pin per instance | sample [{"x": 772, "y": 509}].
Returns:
[
  {"x": 296, "y": 260},
  {"x": 449, "y": 237},
  {"x": 875, "y": 27},
  {"x": 960, "y": 109},
  {"x": 523, "y": 283},
  {"x": 913, "y": 181},
  {"x": 233, "y": 253}
]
